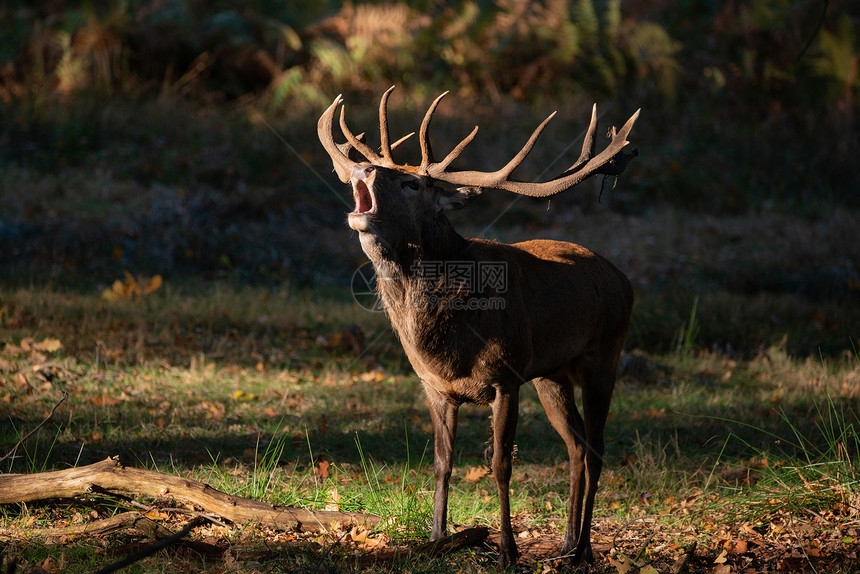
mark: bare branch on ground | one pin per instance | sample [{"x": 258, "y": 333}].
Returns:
[{"x": 110, "y": 475}]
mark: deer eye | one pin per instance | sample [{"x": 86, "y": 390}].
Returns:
[{"x": 411, "y": 184}]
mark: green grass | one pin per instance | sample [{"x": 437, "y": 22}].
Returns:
[
  {"x": 172, "y": 382},
  {"x": 815, "y": 471}
]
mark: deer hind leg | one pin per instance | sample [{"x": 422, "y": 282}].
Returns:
[
  {"x": 557, "y": 398},
  {"x": 598, "y": 381}
]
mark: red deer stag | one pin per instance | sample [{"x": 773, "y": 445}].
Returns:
[{"x": 477, "y": 319}]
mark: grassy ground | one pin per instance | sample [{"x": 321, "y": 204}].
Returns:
[{"x": 250, "y": 388}]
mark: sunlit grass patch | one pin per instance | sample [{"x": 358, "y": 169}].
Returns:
[{"x": 803, "y": 473}]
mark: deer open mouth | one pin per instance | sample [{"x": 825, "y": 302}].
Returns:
[{"x": 364, "y": 200}]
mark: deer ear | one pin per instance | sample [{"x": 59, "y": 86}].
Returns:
[{"x": 451, "y": 199}]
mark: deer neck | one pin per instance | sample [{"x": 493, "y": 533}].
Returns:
[{"x": 399, "y": 268}]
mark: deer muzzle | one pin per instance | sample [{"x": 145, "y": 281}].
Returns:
[{"x": 362, "y": 178}]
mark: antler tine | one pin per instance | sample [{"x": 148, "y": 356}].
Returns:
[
  {"x": 339, "y": 156},
  {"x": 518, "y": 159},
  {"x": 587, "y": 142},
  {"x": 423, "y": 139},
  {"x": 346, "y": 147},
  {"x": 384, "y": 135},
  {"x": 443, "y": 165},
  {"x": 395, "y": 145},
  {"x": 628, "y": 125},
  {"x": 383, "y": 126},
  {"x": 363, "y": 148}
]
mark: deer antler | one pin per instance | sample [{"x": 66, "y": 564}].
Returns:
[{"x": 611, "y": 161}]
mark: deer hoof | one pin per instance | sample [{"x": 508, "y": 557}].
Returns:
[
  {"x": 576, "y": 556},
  {"x": 508, "y": 556},
  {"x": 583, "y": 555},
  {"x": 507, "y": 561}
]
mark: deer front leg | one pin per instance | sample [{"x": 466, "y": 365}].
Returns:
[
  {"x": 504, "y": 429},
  {"x": 443, "y": 414}
]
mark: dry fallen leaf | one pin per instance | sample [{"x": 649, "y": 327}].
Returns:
[
  {"x": 103, "y": 400},
  {"x": 213, "y": 410},
  {"x": 622, "y": 565},
  {"x": 375, "y": 543},
  {"x": 358, "y": 534},
  {"x": 321, "y": 470},
  {"x": 21, "y": 381},
  {"x": 48, "y": 345},
  {"x": 335, "y": 501},
  {"x": 131, "y": 287},
  {"x": 476, "y": 473},
  {"x": 373, "y": 376},
  {"x": 240, "y": 395}
]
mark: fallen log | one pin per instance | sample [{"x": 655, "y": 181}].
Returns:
[{"x": 110, "y": 475}]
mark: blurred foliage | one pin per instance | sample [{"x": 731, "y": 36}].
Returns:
[
  {"x": 748, "y": 105},
  {"x": 307, "y": 49},
  {"x": 516, "y": 48}
]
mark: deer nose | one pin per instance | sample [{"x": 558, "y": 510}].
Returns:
[{"x": 362, "y": 171}]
